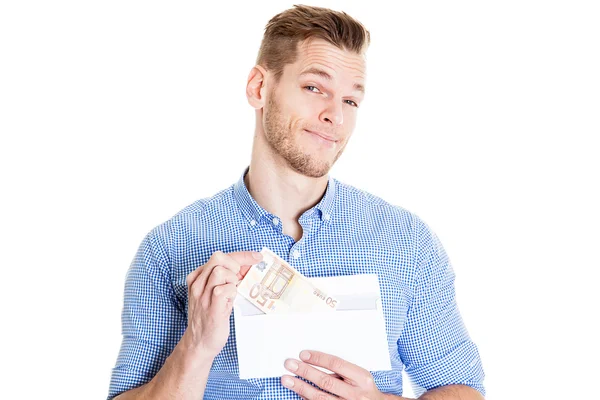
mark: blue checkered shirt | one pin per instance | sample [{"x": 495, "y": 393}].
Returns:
[{"x": 348, "y": 232}]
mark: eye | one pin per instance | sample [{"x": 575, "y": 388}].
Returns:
[
  {"x": 352, "y": 103},
  {"x": 313, "y": 89}
]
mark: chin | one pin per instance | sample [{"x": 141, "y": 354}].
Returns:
[{"x": 315, "y": 170}]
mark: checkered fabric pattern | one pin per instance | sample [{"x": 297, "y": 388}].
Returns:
[{"x": 348, "y": 232}]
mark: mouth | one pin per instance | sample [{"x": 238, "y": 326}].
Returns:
[{"x": 323, "y": 136}]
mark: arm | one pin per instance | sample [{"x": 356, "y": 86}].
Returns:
[
  {"x": 350, "y": 381},
  {"x": 184, "y": 374},
  {"x": 435, "y": 346},
  {"x": 452, "y": 392}
]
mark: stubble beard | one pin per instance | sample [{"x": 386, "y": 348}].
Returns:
[{"x": 280, "y": 138}]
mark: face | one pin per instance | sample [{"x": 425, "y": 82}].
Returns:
[{"x": 310, "y": 114}]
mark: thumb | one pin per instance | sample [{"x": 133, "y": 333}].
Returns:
[
  {"x": 243, "y": 271},
  {"x": 246, "y": 257}
]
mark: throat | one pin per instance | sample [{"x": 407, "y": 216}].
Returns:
[{"x": 293, "y": 229}]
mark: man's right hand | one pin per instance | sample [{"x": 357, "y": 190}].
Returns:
[{"x": 211, "y": 291}]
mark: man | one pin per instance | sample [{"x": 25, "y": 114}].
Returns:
[{"x": 178, "y": 336}]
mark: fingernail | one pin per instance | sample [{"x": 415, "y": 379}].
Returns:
[
  {"x": 304, "y": 355},
  {"x": 291, "y": 365},
  {"x": 287, "y": 381},
  {"x": 256, "y": 255}
]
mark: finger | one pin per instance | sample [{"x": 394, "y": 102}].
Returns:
[
  {"x": 232, "y": 261},
  {"x": 219, "y": 276},
  {"x": 243, "y": 271},
  {"x": 244, "y": 259},
  {"x": 222, "y": 299},
  {"x": 345, "y": 369},
  {"x": 191, "y": 277},
  {"x": 328, "y": 382},
  {"x": 217, "y": 258},
  {"x": 197, "y": 286},
  {"x": 303, "y": 389}
]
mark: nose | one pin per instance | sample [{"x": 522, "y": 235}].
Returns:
[{"x": 334, "y": 113}]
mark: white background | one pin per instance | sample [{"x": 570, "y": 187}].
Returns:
[{"x": 480, "y": 117}]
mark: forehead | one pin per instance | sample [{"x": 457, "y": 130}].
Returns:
[{"x": 319, "y": 54}]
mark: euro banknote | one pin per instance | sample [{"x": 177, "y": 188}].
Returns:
[{"x": 274, "y": 286}]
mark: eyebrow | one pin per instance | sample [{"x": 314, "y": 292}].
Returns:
[{"x": 325, "y": 75}]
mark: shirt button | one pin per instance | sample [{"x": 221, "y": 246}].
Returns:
[
  {"x": 253, "y": 222},
  {"x": 327, "y": 217},
  {"x": 296, "y": 254},
  {"x": 276, "y": 221}
]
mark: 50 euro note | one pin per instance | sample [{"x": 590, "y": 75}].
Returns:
[{"x": 274, "y": 286}]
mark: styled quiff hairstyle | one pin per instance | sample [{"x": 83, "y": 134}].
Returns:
[{"x": 287, "y": 29}]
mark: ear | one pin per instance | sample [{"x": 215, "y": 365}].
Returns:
[{"x": 255, "y": 87}]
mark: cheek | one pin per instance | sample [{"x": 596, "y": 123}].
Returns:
[
  {"x": 295, "y": 104},
  {"x": 350, "y": 119},
  {"x": 307, "y": 109},
  {"x": 301, "y": 115}
]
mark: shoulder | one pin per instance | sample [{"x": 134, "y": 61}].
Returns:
[
  {"x": 358, "y": 207},
  {"x": 204, "y": 212},
  {"x": 364, "y": 204},
  {"x": 200, "y": 208}
]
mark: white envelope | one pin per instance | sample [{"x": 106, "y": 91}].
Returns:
[{"x": 354, "y": 332}]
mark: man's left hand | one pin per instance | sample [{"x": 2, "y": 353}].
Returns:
[{"x": 349, "y": 381}]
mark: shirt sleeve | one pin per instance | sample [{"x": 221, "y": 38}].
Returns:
[
  {"x": 435, "y": 346},
  {"x": 152, "y": 319}
]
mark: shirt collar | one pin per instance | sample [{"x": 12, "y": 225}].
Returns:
[
  {"x": 327, "y": 202},
  {"x": 253, "y": 212}
]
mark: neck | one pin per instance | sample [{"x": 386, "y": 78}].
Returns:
[{"x": 279, "y": 189}]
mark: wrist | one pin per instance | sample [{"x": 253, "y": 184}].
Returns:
[{"x": 192, "y": 354}]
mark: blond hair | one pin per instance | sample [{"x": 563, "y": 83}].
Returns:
[{"x": 287, "y": 29}]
